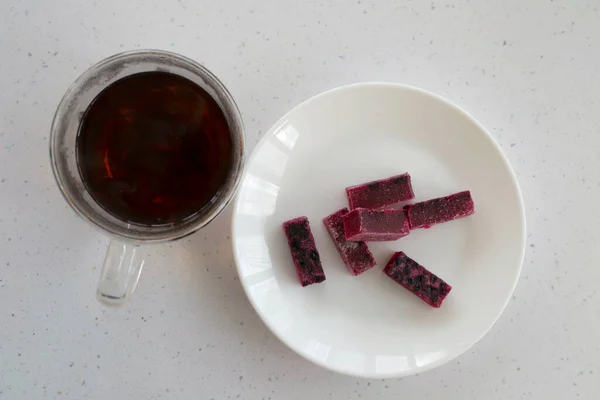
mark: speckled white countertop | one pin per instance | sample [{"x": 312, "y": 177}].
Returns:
[{"x": 528, "y": 70}]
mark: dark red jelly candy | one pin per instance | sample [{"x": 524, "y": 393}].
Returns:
[
  {"x": 381, "y": 193},
  {"x": 375, "y": 225},
  {"x": 356, "y": 255},
  {"x": 443, "y": 209},
  {"x": 304, "y": 251},
  {"x": 414, "y": 277}
]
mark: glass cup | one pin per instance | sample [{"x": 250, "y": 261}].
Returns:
[{"x": 124, "y": 260}]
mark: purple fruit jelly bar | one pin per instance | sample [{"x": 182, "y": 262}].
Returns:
[
  {"x": 414, "y": 277},
  {"x": 443, "y": 209},
  {"x": 375, "y": 225},
  {"x": 304, "y": 252},
  {"x": 356, "y": 255},
  {"x": 380, "y": 193}
]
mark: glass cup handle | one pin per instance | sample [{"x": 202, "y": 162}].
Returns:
[{"x": 120, "y": 273}]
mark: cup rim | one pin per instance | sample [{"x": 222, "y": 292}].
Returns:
[{"x": 167, "y": 235}]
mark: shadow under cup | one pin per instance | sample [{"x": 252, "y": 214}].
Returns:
[{"x": 124, "y": 261}]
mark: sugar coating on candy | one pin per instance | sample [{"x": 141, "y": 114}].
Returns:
[
  {"x": 304, "y": 251},
  {"x": 437, "y": 211},
  {"x": 414, "y": 277},
  {"x": 375, "y": 225},
  {"x": 356, "y": 255},
  {"x": 381, "y": 193}
]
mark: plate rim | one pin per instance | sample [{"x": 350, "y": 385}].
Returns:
[{"x": 521, "y": 215}]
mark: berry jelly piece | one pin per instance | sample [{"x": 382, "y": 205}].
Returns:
[
  {"x": 356, "y": 255},
  {"x": 424, "y": 284},
  {"x": 375, "y": 225},
  {"x": 380, "y": 193},
  {"x": 304, "y": 252},
  {"x": 443, "y": 209}
]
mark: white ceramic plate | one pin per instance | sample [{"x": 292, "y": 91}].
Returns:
[{"x": 368, "y": 325}]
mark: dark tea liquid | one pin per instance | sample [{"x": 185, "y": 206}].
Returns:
[{"x": 154, "y": 148}]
